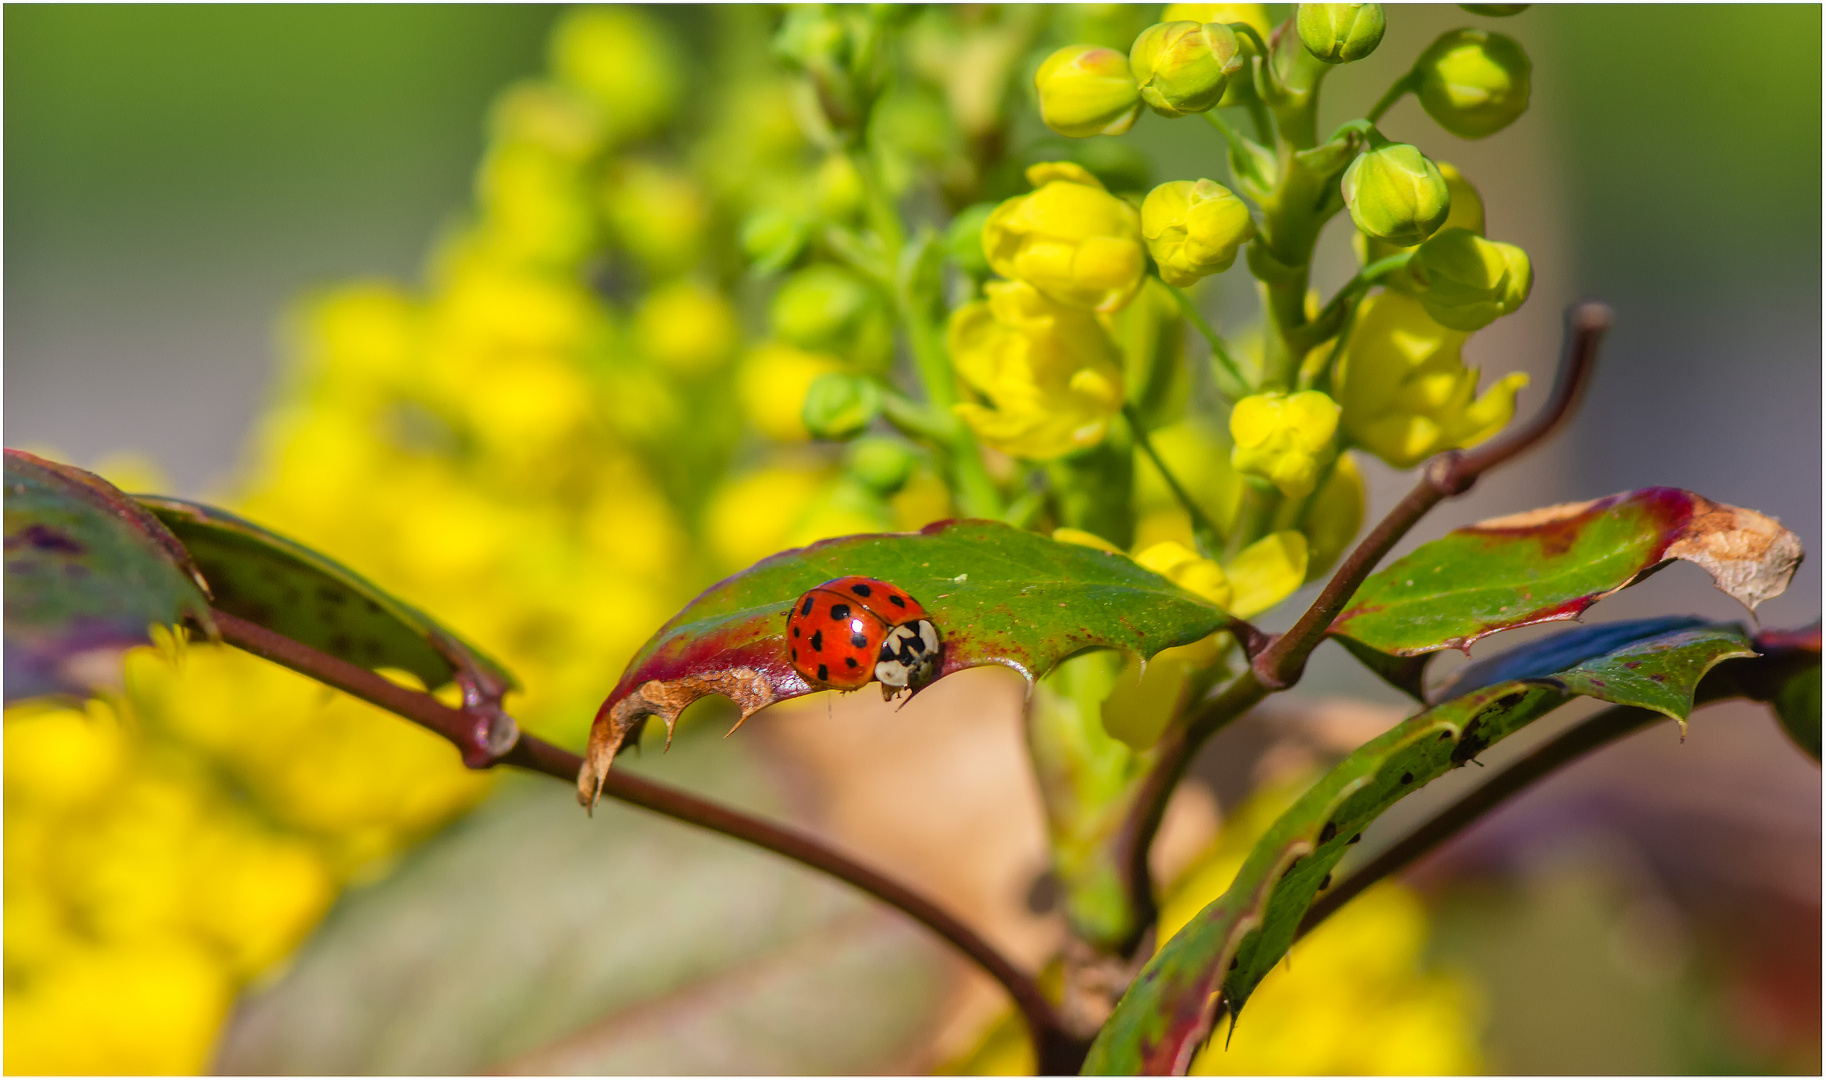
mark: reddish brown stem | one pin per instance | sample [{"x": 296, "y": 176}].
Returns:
[
  {"x": 1056, "y": 1049},
  {"x": 1452, "y": 473}
]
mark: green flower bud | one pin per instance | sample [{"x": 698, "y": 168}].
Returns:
[
  {"x": 1467, "y": 282},
  {"x": 964, "y": 239},
  {"x": 772, "y": 238},
  {"x": 1086, "y": 90},
  {"x": 882, "y": 464},
  {"x": 1193, "y": 229},
  {"x": 1184, "y": 67},
  {"x": 1395, "y": 194},
  {"x": 1340, "y": 33},
  {"x": 1467, "y": 213},
  {"x": 1473, "y": 83},
  {"x": 826, "y": 308},
  {"x": 840, "y": 406}
]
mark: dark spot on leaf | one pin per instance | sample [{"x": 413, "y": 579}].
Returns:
[
  {"x": 1655, "y": 678},
  {"x": 823, "y": 672},
  {"x": 850, "y": 662},
  {"x": 44, "y": 538},
  {"x": 807, "y": 609},
  {"x": 1444, "y": 735},
  {"x": 1234, "y": 960},
  {"x": 1471, "y": 743},
  {"x": 860, "y": 590},
  {"x": 859, "y": 640},
  {"x": 1599, "y": 682},
  {"x": 1354, "y": 839},
  {"x": 1325, "y": 882},
  {"x": 1289, "y": 869},
  {"x": 1632, "y": 664},
  {"x": 896, "y": 601},
  {"x": 817, "y": 641},
  {"x": 840, "y": 612},
  {"x": 1407, "y": 777},
  {"x": 330, "y": 595},
  {"x": 1327, "y": 833}
]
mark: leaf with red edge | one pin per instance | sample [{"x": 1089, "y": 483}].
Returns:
[
  {"x": 1228, "y": 947},
  {"x": 1553, "y": 563},
  {"x": 88, "y": 574},
  {"x": 998, "y": 594}
]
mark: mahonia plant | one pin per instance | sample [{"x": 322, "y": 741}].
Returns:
[{"x": 890, "y": 276}]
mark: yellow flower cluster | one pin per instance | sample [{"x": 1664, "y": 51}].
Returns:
[{"x": 508, "y": 448}]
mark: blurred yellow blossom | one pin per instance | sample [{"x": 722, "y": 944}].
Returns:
[
  {"x": 622, "y": 61},
  {"x": 1334, "y": 516},
  {"x": 1404, "y": 390},
  {"x": 1068, "y": 238},
  {"x": 659, "y": 212},
  {"x": 772, "y": 382},
  {"x": 687, "y": 326},
  {"x": 1183, "y": 566},
  {"x": 1267, "y": 572},
  {"x": 1051, "y": 373}
]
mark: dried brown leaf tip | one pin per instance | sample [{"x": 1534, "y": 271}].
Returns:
[
  {"x": 1749, "y": 555},
  {"x": 751, "y": 691}
]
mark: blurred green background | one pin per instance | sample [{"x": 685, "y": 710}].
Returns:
[{"x": 177, "y": 176}]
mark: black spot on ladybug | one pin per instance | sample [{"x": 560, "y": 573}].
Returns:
[
  {"x": 896, "y": 601},
  {"x": 795, "y": 631},
  {"x": 823, "y": 672},
  {"x": 860, "y": 590},
  {"x": 807, "y": 609},
  {"x": 1407, "y": 777},
  {"x": 840, "y": 612},
  {"x": 1325, "y": 835},
  {"x": 817, "y": 641},
  {"x": 850, "y": 662},
  {"x": 859, "y": 640},
  {"x": 795, "y": 656},
  {"x": 1325, "y": 882}
]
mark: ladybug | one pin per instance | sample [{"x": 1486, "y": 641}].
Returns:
[{"x": 850, "y": 631}]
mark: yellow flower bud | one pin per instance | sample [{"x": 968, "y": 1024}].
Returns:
[
  {"x": 1284, "y": 439},
  {"x": 1183, "y": 567},
  {"x": 1335, "y": 515},
  {"x": 686, "y": 326},
  {"x": 1266, "y": 573},
  {"x": 772, "y": 383},
  {"x": 1404, "y": 389},
  {"x": 1467, "y": 282},
  {"x": 1395, "y": 194},
  {"x": 1086, "y": 90},
  {"x": 839, "y": 187},
  {"x": 1473, "y": 83},
  {"x": 1051, "y": 373},
  {"x": 1340, "y": 33},
  {"x": 1184, "y": 67},
  {"x": 1069, "y": 238},
  {"x": 1194, "y": 228}
]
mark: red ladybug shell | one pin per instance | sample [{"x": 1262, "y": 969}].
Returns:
[{"x": 849, "y": 632}]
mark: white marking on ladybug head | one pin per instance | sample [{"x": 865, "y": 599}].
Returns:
[{"x": 909, "y": 655}]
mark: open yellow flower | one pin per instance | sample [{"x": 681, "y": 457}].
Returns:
[
  {"x": 1404, "y": 388},
  {"x": 1050, "y": 373},
  {"x": 1068, "y": 238}
]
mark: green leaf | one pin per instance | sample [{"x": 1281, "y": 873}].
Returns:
[
  {"x": 1554, "y": 563},
  {"x": 289, "y": 589},
  {"x": 998, "y": 595},
  {"x": 529, "y": 939},
  {"x": 1229, "y": 946},
  {"x": 88, "y": 574}
]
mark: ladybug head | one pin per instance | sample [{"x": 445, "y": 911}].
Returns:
[{"x": 909, "y": 656}]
